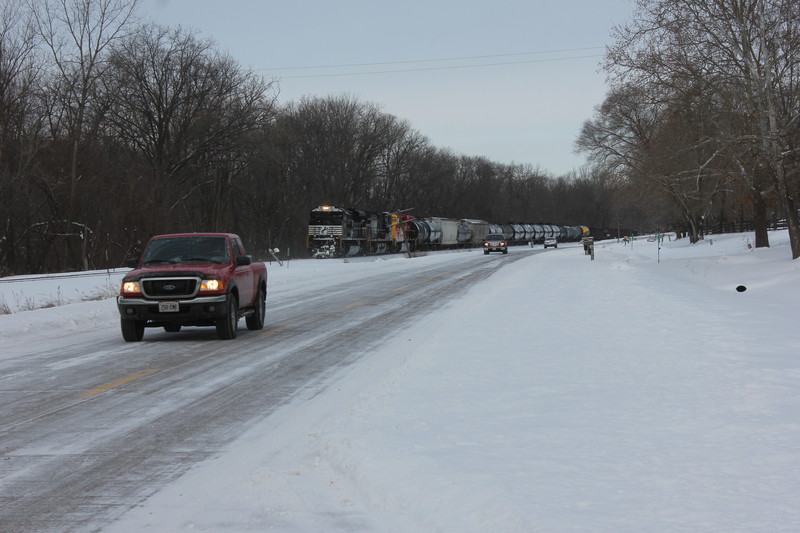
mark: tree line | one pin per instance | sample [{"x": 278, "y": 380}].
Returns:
[
  {"x": 113, "y": 128},
  {"x": 703, "y": 116}
]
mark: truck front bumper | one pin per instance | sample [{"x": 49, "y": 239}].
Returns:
[{"x": 196, "y": 311}]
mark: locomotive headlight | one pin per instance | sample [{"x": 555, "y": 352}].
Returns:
[
  {"x": 131, "y": 287},
  {"x": 211, "y": 285}
]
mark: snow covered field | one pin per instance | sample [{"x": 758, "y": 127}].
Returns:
[{"x": 561, "y": 395}]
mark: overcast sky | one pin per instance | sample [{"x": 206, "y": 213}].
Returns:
[{"x": 511, "y": 80}]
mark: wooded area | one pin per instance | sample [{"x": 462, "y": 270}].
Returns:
[
  {"x": 705, "y": 110},
  {"x": 113, "y": 129}
]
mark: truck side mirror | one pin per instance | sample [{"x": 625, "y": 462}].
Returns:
[
  {"x": 243, "y": 260},
  {"x": 132, "y": 262}
]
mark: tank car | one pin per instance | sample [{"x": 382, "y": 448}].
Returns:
[
  {"x": 507, "y": 231},
  {"x": 538, "y": 234}
]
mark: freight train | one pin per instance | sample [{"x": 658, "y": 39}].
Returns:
[{"x": 343, "y": 232}]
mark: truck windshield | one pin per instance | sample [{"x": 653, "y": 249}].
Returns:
[{"x": 189, "y": 249}]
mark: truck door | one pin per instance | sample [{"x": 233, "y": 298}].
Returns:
[{"x": 244, "y": 276}]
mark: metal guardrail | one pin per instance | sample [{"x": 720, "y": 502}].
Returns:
[{"x": 64, "y": 275}]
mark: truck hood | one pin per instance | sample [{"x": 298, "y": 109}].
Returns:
[{"x": 179, "y": 269}]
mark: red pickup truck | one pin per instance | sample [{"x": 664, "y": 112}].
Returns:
[{"x": 192, "y": 279}]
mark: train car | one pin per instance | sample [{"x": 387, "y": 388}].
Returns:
[
  {"x": 538, "y": 234},
  {"x": 417, "y": 234},
  {"x": 518, "y": 232},
  {"x": 464, "y": 234},
  {"x": 449, "y": 231},
  {"x": 528, "y": 232},
  {"x": 480, "y": 229},
  {"x": 574, "y": 233},
  {"x": 508, "y": 231},
  {"x": 434, "y": 232}
]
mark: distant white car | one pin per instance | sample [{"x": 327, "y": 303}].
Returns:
[{"x": 551, "y": 241}]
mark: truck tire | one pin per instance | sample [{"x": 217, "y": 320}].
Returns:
[
  {"x": 227, "y": 325},
  {"x": 132, "y": 330},
  {"x": 255, "y": 321}
]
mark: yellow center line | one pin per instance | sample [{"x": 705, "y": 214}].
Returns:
[
  {"x": 273, "y": 330},
  {"x": 119, "y": 382},
  {"x": 356, "y": 304}
]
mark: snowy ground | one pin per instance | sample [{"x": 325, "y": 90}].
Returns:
[{"x": 561, "y": 395}]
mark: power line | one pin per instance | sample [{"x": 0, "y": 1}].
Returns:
[
  {"x": 446, "y": 67},
  {"x": 463, "y": 58}
]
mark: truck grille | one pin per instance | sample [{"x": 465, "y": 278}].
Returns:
[{"x": 170, "y": 287}]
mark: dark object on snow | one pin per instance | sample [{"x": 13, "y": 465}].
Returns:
[{"x": 741, "y": 288}]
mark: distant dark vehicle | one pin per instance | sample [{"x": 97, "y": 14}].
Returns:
[
  {"x": 551, "y": 242},
  {"x": 192, "y": 279},
  {"x": 495, "y": 242}
]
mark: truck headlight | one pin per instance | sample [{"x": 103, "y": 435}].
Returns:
[
  {"x": 131, "y": 288},
  {"x": 211, "y": 285}
]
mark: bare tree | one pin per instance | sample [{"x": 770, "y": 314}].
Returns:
[
  {"x": 393, "y": 163},
  {"x": 78, "y": 34},
  {"x": 185, "y": 113},
  {"x": 751, "y": 45},
  {"x": 19, "y": 132},
  {"x": 339, "y": 146},
  {"x": 662, "y": 142}
]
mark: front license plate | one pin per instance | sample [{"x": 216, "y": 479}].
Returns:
[{"x": 168, "y": 307}]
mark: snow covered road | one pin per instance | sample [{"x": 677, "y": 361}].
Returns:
[
  {"x": 90, "y": 425},
  {"x": 637, "y": 392}
]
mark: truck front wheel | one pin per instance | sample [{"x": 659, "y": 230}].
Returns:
[
  {"x": 132, "y": 330},
  {"x": 227, "y": 325}
]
